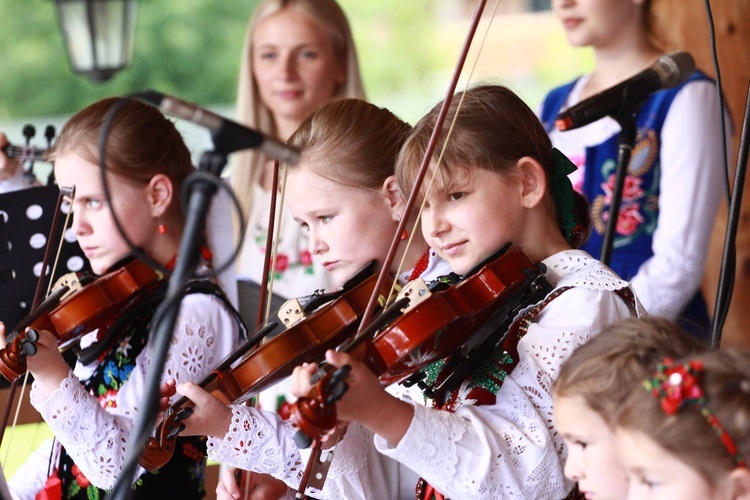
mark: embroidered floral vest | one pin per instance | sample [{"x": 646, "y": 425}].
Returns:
[
  {"x": 183, "y": 476},
  {"x": 639, "y": 208}
]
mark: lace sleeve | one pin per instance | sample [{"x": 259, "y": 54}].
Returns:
[
  {"x": 96, "y": 434},
  {"x": 509, "y": 449},
  {"x": 259, "y": 441}
]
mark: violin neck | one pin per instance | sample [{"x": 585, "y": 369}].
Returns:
[{"x": 24, "y": 153}]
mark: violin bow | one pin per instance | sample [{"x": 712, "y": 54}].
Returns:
[
  {"x": 68, "y": 192},
  {"x": 321, "y": 469}
]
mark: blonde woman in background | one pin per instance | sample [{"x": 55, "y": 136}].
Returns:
[{"x": 297, "y": 53}]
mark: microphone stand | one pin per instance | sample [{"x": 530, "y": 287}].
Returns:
[
  {"x": 728, "y": 258},
  {"x": 198, "y": 194},
  {"x": 626, "y": 117}
]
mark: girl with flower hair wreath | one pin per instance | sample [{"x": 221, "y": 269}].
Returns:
[
  {"x": 591, "y": 388},
  {"x": 686, "y": 433}
]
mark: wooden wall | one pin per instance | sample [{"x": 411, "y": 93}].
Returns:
[{"x": 683, "y": 25}]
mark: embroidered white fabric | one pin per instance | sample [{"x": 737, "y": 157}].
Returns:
[
  {"x": 96, "y": 435},
  {"x": 511, "y": 449},
  {"x": 506, "y": 450}
]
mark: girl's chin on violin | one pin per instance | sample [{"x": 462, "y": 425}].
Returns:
[
  {"x": 341, "y": 271},
  {"x": 100, "y": 260}
]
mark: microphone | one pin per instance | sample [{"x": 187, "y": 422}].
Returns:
[
  {"x": 228, "y": 136},
  {"x": 668, "y": 71}
]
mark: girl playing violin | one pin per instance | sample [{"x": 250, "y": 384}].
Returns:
[
  {"x": 343, "y": 183},
  {"x": 499, "y": 182},
  {"x": 91, "y": 408}
]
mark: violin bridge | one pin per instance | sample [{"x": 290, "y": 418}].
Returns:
[
  {"x": 71, "y": 281},
  {"x": 416, "y": 291},
  {"x": 291, "y": 312}
]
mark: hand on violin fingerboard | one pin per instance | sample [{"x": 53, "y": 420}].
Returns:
[
  {"x": 367, "y": 402},
  {"x": 210, "y": 416}
]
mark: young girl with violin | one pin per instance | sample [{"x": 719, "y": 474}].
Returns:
[
  {"x": 91, "y": 408},
  {"x": 297, "y": 53},
  {"x": 343, "y": 183},
  {"x": 499, "y": 182}
]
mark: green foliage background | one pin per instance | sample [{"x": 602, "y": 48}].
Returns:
[{"x": 191, "y": 48}]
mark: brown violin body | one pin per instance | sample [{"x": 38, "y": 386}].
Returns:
[
  {"x": 306, "y": 341},
  {"x": 445, "y": 323},
  {"x": 95, "y": 305}
]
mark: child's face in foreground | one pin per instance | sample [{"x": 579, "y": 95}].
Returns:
[
  {"x": 592, "y": 455},
  {"x": 470, "y": 219},
  {"x": 93, "y": 224},
  {"x": 348, "y": 226},
  {"x": 655, "y": 473}
]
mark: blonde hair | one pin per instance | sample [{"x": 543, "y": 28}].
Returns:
[
  {"x": 141, "y": 143},
  {"x": 725, "y": 381},
  {"x": 252, "y": 112},
  {"x": 350, "y": 141},
  {"x": 606, "y": 369},
  {"x": 493, "y": 129}
]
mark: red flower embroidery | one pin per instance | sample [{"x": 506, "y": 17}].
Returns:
[
  {"x": 108, "y": 399},
  {"x": 631, "y": 190},
  {"x": 305, "y": 258},
  {"x": 282, "y": 263},
  {"x": 82, "y": 481},
  {"x": 629, "y": 219}
]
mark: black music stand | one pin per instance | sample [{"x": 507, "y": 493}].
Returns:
[{"x": 25, "y": 222}]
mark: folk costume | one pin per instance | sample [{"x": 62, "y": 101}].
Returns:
[
  {"x": 496, "y": 439},
  {"x": 671, "y": 194},
  {"x": 93, "y": 410}
]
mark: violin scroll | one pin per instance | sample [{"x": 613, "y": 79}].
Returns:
[{"x": 309, "y": 415}]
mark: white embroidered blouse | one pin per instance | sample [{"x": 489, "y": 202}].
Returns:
[
  {"x": 506, "y": 450},
  {"x": 96, "y": 437}
]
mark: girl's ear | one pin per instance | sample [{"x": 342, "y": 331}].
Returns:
[
  {"x": 159, "y": 192},
  {"x": 395, "y": 199},
  {"x": 533, "y": 181},
  {"x": 739, "y": 480}
]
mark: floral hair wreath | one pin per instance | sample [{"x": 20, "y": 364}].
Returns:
[{"x": 678, "y": 385}]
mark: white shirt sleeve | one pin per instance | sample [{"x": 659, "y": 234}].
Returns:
[
  {"x": 509, "y": 449},
  {"x": 691, "y": 188},
  {"x": 95, "y": 437}
]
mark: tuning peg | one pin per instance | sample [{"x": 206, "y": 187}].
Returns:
[
  {"x": 29, "y": 131},
  {"x": 49, "y": 133},
  {"x": 28, "y": 348}
]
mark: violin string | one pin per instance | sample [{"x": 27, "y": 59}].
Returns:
[
  {"x": 71, "y": 197},
  {"x": 443, "y": 147}
]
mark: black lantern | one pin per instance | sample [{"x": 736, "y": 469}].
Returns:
[{"x": 98, "y": 35}]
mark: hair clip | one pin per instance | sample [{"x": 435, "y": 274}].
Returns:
[{"x": 678, "y": 385}]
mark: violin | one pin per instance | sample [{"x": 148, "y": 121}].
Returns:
[
  {"x": 24, "y": 153},
  {"x": 466, "y": 319},
  {"x": 305, "y": 341},
  {"x": 73, "y": 309}
]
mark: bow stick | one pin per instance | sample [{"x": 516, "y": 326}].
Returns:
[{"x": 380, "y": 283}]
